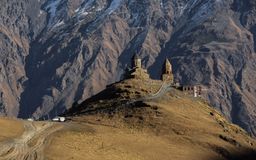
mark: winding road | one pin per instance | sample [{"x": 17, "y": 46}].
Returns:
[
  {"x": 31, "y": 144},
  {"x": 165, "y": 87}
]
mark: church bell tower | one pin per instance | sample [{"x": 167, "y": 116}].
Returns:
[{"x": 167, "y": 72}]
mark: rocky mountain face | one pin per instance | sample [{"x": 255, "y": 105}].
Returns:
[{"x": 58, "y": 52}]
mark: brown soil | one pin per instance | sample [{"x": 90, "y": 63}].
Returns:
[{"x": 10, "y": 128}]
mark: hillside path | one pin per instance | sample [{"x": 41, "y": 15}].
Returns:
[{"x": 31, "y": 144}]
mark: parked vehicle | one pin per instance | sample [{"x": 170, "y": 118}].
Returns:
[
  {"x": 30, "y": 119},
  {"x": 59, "y": 119}
]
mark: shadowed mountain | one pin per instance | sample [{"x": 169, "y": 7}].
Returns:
[{"x": 56, "y": 53}]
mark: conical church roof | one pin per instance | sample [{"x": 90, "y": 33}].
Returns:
[{"x": 135, "y": 56}]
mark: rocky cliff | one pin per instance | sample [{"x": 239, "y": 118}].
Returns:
[{"x": 57, "y": 52}]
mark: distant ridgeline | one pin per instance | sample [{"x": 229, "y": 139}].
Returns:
[{"x": 137, "y": 72}]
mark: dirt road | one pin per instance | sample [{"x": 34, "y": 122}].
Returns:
[{"x": 31, "y": 144}]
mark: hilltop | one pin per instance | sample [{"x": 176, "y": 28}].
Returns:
[
  {"x": 129, "y": 117},
  {"x": 135, "y": 119}
]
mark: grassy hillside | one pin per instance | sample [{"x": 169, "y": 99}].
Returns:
[
  {"x": 123, "y": 123},
  {"x": 173, "y": 126},
  {"x": 10, "y": 128}
]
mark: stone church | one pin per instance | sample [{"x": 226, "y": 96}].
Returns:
[
  {"x": 136, "y": 71},
  {"x": 167, "y": 75}
]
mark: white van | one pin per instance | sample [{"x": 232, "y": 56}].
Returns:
[{"x": 59, "y": 119}]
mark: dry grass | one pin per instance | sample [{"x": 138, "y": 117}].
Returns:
[
  {"x": 10, "y": 128},
  {"x": 186, "y": 128},
  {"x": 174, "y": 127},
  {"x": 122, "y": 144}
]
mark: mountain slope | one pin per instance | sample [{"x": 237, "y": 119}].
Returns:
[
  {"x": 127, "y": 121},
  {"x": 55, "y": 53},
  {"x": 121, "y": 125}
]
